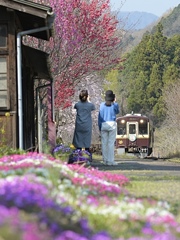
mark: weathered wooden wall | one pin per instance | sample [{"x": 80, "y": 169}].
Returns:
[{"x": 8, "y": 124}]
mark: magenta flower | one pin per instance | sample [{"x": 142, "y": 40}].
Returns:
[{"x": 119, "y": 179}]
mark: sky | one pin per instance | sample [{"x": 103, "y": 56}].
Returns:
[{"x": 157, "y": 7}]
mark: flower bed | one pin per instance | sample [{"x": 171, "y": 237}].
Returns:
[
  {"x": 42, "y": 197},
  {"x": 62, "y": 152},
  {"x": 79, "y": 157},
  {"x": 71, "y": 155}
]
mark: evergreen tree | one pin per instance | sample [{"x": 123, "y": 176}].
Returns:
[
  {"x": 143, "y": 72},
  {"x": 170, "y": 75},
  {"x": 137, "y": 100},
  {"x": 154, "y": 89}
]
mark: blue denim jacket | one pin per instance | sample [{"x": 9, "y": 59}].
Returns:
[{"x": 107, "y": 113}]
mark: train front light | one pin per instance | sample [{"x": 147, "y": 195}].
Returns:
[{"x": 120, "y": 142}]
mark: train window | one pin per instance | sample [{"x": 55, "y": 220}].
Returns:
[
  {"x": 143, "y": 127},
  {"x": 132, "y": 129},
  {"x": 121, "y": 128}
]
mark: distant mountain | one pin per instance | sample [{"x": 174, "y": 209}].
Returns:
[
  {"x": 171, "y": 26},
  {"x": 135, "y": 20}
]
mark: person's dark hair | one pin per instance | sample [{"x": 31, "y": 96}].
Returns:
[
  {"x": 83, "y": 95},
  {"x": 109, "y": 97}
]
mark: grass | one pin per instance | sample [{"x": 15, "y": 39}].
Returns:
[
  {"x": 122, "y": 156},
  {"x": 176, "y": 160},
  {"x": 165, "y": 187},
  {"x": 161, "y": 189}
]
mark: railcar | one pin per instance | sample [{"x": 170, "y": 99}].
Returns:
[{"x": 134, "y": 135}]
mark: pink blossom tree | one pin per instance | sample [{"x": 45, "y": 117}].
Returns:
[{"x": 86, "y": 41}]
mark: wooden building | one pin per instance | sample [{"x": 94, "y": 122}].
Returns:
[{"x": 20, "y": 67}]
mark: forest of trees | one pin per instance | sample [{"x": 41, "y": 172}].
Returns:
[
  {"x": 149, "y": 82},
  {"x": 150, "y": 68}
]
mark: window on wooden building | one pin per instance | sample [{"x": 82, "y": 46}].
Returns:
[
  {"x": 3, "y": 82},
  {"x": 3, "y": 35},
  {"x": 3, "y": 67}
]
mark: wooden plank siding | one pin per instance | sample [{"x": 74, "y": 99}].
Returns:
[
  {"x": 8, "y": 125},
  {"x": 19, "y": 16}
]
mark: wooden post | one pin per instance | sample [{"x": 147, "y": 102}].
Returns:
[{"x": 51, "y": 122}]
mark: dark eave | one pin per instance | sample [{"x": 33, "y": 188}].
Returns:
[
  {"x": 38, "y": 61},
  {"x": 31, "y": 15}
]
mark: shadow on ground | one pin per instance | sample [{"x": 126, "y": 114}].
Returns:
[{"x": 139, "y": 164}]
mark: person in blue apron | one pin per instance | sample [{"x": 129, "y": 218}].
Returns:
[{"x": 83, "y": 124}]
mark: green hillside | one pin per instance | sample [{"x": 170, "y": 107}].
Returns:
[
  {"x": 171, "y": 26},
  {"x": 149, "y": 79}
]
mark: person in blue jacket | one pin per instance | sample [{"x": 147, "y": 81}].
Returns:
[{"x": 108, "y": 127}]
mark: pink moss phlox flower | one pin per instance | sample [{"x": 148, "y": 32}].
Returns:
[
  {"x": 158, "y": 219},
  {"x": 92, "y": 200},
  {"x": 110, "y": 177},
  {"x": 30, "y": 195},
  {"x": 96, "y": 201},
  {"x": 163, "y": 236},
  {"x": 30, "y": 155},
  {"x": 136, "y": 238},
  {"x": 147, "y": 229},
  {"x": 33, "y": 232},
  {"x": 70, "y": 235},
  {"x": 11, "y": 220},
  {"x": 9, "y": 214},
  {"x": 22, "y": 165},
  {"x": 28, "y": 160},
  {"x": 152, "y": 234},
  {"x": 97, "y": 186}
]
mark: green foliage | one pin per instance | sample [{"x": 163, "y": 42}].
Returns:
[
  {"x": 3, "y": 129},
  {"x": 159, "y": 109},
  {"x": 154, "y": 89},
  {"x": 137, "y": 100},
  {"x": 170, "y": 75},
  {"x": 5, "y": 150},
  {"x": 113, "y": 83},
  {"x": 46, "y": 148},
  {"x": 151, "y": 67},
  {"x": 171, "y": 22}
]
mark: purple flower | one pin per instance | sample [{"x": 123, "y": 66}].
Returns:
[
  {"x": 80, "y": 156},
  {"x": 28, "y": 194},
  {"x": 61, "y": 149},
  {"x": 70, "y": 235},
  {"x": 14, "y": 223}
]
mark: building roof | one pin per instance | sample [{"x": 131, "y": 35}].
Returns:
[{"x": 31, "y": 15}]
